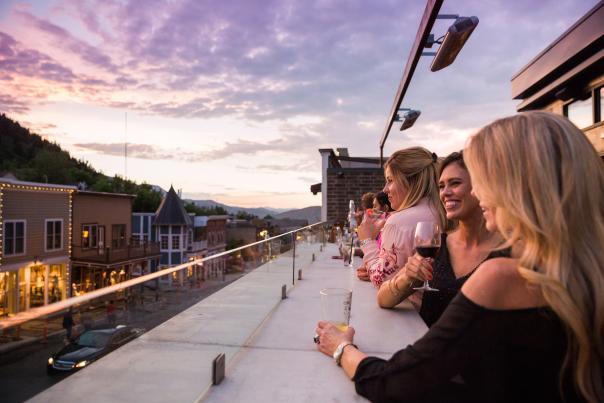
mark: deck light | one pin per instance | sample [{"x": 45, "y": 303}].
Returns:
[
  {"x": 408, "y": 118},
  {"x": 455, "y": 38}
]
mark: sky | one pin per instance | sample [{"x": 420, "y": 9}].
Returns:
[{"x": 231, "y": 100}]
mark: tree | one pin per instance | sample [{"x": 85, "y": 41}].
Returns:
[
  {"x": 244, "y": 215},
  {"x": 205, "y": 211}
]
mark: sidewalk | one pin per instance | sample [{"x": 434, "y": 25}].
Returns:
[{"x": 146, "y": 313}]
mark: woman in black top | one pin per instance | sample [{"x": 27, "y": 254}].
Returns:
[
  {"x": 525, "y": 328},
  {"x": 462, "y": 250}
]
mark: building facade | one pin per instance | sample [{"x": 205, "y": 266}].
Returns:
[
  {"x": 345, "y": 178},
  {"x": 173, "y": 227},
  {"x": 215, "y": 237},
  {"x": 142, "y": 233},
  {"x": 568, "y": 77},
  {"x": 104, "y": 252},
  {"x": 35, "y": 240}
]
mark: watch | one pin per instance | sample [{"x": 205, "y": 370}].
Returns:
[{"x": 337, "y": 355}]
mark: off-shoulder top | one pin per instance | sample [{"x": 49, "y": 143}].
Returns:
[
  {"x": 475, "y": 354},
  {"x": 444, "y": 280}
]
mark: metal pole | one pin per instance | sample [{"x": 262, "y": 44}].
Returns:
[{"x": 294, "y": 258}]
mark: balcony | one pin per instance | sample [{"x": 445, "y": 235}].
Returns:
[{"x": 133, "y": 251}]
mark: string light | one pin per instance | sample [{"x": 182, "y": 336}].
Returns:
[{"x": 5, "y": 186}]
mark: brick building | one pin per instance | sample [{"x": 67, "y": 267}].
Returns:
[{"x": 345, "y": 178}]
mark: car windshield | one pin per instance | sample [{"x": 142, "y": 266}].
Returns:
[{"x": 94, "y": 339}]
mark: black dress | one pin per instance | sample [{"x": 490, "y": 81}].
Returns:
[
  {"x": 444, "y": 280},
  {"x": 474, "y": 354}
]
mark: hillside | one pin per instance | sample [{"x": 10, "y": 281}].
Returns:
[
  {"x": 260, "y": 212},
  {"x": 311, "y": 214},
  {"x": 31, "y": 158}
]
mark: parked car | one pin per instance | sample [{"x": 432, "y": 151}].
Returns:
[{"x": 90, "y": 346}]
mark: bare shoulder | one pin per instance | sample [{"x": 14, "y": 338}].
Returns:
[{"x": 497, "y": 284}]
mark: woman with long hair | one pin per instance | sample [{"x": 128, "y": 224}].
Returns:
[
  {"x": 525, "y": 328},
  {"x": 412, "y": 189},
  {"x": 462, "y": 250}
]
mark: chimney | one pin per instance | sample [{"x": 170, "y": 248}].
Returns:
[{"x": 343, "y": 152}]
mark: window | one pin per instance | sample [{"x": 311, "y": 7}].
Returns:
[
  {"x": 164, "y": 241},
  {"x": 175, "y": 241},
  {"x": 54, "y": 234},
  {"x": 90, "y": 238},
  {"x": 580, "y": 112},
  {"x": 14, "y": 237},
  {"x": 118, "y": 236},
  {"x": 599, "y": 99}
]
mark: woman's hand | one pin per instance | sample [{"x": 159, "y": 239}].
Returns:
[
  {"x": 417, "y": 268},
  {"x": 362, "y": 273},
  {"x": 368, "y": 228},
  {"x": 330, "y": 337}
]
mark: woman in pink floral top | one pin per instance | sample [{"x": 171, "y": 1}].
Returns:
[{"x": 412, "y": 188}]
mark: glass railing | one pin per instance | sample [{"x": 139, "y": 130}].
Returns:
[{"x": 217, "y": 302}]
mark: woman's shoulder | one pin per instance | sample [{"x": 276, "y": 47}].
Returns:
[
  {"x": 498, "y": 285},
  {"x": 411, "y": 215}
]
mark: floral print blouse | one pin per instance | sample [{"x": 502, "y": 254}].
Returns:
[{"x": 385, "y": 260}]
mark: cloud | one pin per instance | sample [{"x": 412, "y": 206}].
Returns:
[
  {"x": 62, "y": 38},
  {"x": 14, "y": 59},
  {"x": 10, "y": 104},
  {"x": 285, "y": 145}
]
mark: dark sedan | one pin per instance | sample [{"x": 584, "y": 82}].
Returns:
[{"x": 90, "y": 346}]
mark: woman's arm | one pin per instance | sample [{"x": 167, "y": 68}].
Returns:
[
  {"x": 422, "y": 369},
  {"x": 397, "y": 246},
  {"x": 400, "y": 287}
]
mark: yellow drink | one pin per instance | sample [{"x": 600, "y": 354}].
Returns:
[{"x": 341, "y": 326}]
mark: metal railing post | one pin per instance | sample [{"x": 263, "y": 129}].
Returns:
[{"x": 294, "y": 258}]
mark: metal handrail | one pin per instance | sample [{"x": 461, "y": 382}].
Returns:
[{"x": 36, "y": 313}]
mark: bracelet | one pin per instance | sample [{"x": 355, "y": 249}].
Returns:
[
  {"x": 396, "y": 292},
  {"x": 366, "y": 241}
]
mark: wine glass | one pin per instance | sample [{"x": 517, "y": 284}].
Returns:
[{"x": 427, "y": 243}]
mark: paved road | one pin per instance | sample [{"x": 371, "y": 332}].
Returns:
[{"x": 23, "y": 371}]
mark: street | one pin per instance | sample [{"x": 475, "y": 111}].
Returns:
[{"x": 23, "y": 371}]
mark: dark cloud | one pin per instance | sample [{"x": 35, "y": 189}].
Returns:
[{"x": 10, "y": 104}]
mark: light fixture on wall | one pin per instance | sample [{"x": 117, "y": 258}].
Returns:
[
  {"x": 452, "y": 42},
  {"x": 408, "y": 117}
]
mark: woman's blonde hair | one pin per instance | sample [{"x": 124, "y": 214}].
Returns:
[
  {"x": 415, "y": 169},
  {"x": 546, "y": 181}
]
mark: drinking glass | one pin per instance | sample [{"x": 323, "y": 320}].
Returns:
[
  {"x": 335, "y": 306},
  {"x": 427, "y": 243}
]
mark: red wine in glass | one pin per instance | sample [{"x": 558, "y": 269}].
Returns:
[
  {"x": 427, "y": 251},
  {"x": 427, "y": 242}
]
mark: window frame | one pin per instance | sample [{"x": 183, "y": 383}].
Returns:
[
  {"x": 90, "y": 226},
  {"x": 53, "y": 220},
  {"x": 120, "y": 242},
  {"x": 14, "y": 221}
]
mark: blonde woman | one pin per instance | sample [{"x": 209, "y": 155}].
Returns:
[
  {"x": 525, "y": 328},
  {"x": 412, "y": 189}
]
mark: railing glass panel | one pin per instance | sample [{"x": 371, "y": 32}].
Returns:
[{"x": 207, "y": 306}]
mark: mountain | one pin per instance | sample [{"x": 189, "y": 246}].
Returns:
[
  {"x": 311, "y": 214},
  {"x": 261, "y": 212}
]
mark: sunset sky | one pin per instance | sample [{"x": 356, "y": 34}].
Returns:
[{"x": 231, "y": 100}]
